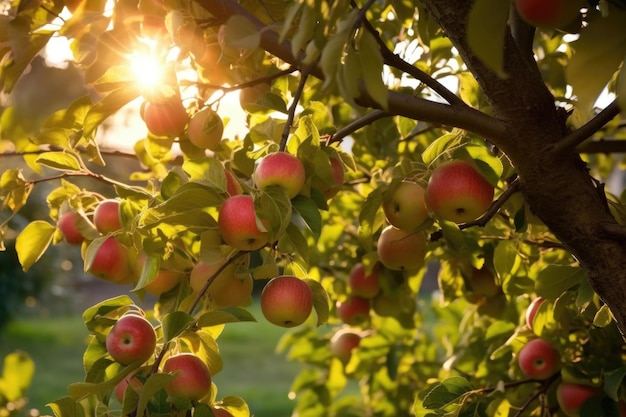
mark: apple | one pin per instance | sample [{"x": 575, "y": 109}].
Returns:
[
  {"x": 353, "y": 310},
  {"x": 483, "y": 282},
  {"x": 281, "y": 169},
  {"x": 343, "y": 342},
  {"x": 106, "y": 216},
  {"x": 364, "y": 284},
  {"x": 226, "y": 290},
  {"x": 69, "y": 228},
  {"x": 238, "y": 224},
  {"x": 538, "y": 359},
  {"x": 205, "y": 129},
  {"x": 571, "y": 396},
  {"x": 131, "y": 339},
  {"x": 405, "y": 207},
  {"x": 163, "y": 282},
  {"x": 548, "y": 13},
  {"x": 221, "y": 412},
  {"x": 401, "y": 250},
  {"x": 165, "y": 118},
  {"x": 531, "y": 311},
  {"x": 233, "y": 187},
  {"x": 338, "y": 176},
  {"x": 120, "y": 389},
  {"x": 286, "y": 301},
  {"x": 457, "y": 192},
  {"x": 192, "y": 378},
  {"x": 249, "y": 96},
  {"x": 110, "y": 261}
]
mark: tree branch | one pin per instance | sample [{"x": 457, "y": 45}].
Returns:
[
  {"x": 578, "y": 136},
  {"x": 358, "y": 124}
]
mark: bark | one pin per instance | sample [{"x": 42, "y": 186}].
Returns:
[{"x": 527, "y": 127}]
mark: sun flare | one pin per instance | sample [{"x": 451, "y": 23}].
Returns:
[{"x": 147, "y": 69}]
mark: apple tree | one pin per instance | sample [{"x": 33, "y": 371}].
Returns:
[{"x": 386, "y": 142}]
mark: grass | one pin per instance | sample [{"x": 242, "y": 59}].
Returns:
[{"x": 252, "y": 369}]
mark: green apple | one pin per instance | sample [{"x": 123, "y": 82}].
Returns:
[
  {"x": 205, "y": 129},
  {"x": 401, "y": 250},
  {"x": 457, "y": 192},
  {"x": 131, "y": 339},
  {"x": 239, "y": 226},
  {"x": 281, "y": 169},
  {"x": 192, "y": 378},
  {"x": 286, "y": 301},
  {"x": 405, "y": 206}
]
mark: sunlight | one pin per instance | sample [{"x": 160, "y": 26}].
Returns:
[{"x": 147, "y": 69}]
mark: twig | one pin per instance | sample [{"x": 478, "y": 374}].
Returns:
[
  {"x": 291, "y": 114},
  {"x": 578, "y": 136},
  {"x": 358, "y": 124}
]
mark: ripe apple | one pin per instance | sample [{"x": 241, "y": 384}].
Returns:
[
  {"x": 571, "y": 396},
  {"x": 548, "y": 13},
  {"x": 353, "y": 310},
  {"x": 167, "y": 117},
  {"x": 483, "y": 282},
  {"x": 221, "y": 412},
  {"x": 363, "y": 284},
  {"x": 457, "y": 192},
  {"x": 238, "y": 224},
  {"x": 538, "y": 359},
  {"x": 282, "y": 169},
  {"x": 69, "y": 228},
  {"x": 401, "y": 250},
  {"x": 531, "y": 311},
  {"x": 110, "y": 262},
  {"x": 106, "y": 216},
  {"x": 404, "y": 206},
  {"x": 192, "y": 379},
  {"x": 131, "y": 339},
  {"x": 205, "y": 129},
  {"x": 226, "y": 290},
  {"x": 286, "y": 301},
  {"x": 163, "y": 282},
  {"x": 120, "y": 388},
  {"x": 343, "y": 342},
  {"x": 233, "y": 187}
]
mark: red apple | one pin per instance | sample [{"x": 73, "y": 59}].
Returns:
[
  {"x": 205, "y": 129},
  {"x": 69, "y": 228},
  {"x": 233, "y": 187},
  {"x": 338, "y": 175},
  {"x": 106, "y": 217},
  {"x": 286, "y": 301},
  {"x": 531, "y": 311},
  {"x": 405, "y": 207},
  {"x": 239, "y": 225},
  {"x": 131, "y": 339},
  {"x": 165, "y": 118},
  {"x": 343, "y": 342},
  {"x": 401, "y": 250},
  {"x": 353, "y": 310},
  {"x": 281, "y": 169},
  {"x": 538, "y": 359},
  {"x": 192, "y": 378},
  {"x": 110, "y": 262},
  {"x": 483, "y": 282},
  {"x": 120, "y": 388},
  {"x": 364, "y": 284},
  {"x": 457, "y": 192},
  {"x": 571, "y": 396},
  {"x": 221, "y": 412},
  {"x": 227, "y": 289},
  {"x": 163, "y": 282},
  {"x": 548, "y": 13}
]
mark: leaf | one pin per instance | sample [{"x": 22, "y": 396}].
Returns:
[
  {"x": 175, "y": 323},
  {"x": 61, "y": 161},
  {"x": 241, "y": 33},
  {"x": 439, "y": 146},
  {"x": 33, "y": 241},
  {"x": 506, "y": 260},
  {"x": 603, "y": 317},
  {"x": 17, "y": 373},
  {"x": 108, "y": 106},
  {"x": 612, "y": 382},
  {"x": 66, "y": 407},
  {"x": 321, "y": 301},
  {"x": 554, "y": 280},
  {"x": 486, "y": 28},
  {"x": 598, "y": 52},
  {"x": 225, "y": 315},
  {"x": 372, "y": 66},
  {"x": 309, "y": 212},
  {"x": 446, "y": 392}
]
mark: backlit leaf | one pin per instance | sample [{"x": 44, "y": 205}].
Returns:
[
  {"x": 33, "y": 241},
  {"x": 61, "y": 161}
]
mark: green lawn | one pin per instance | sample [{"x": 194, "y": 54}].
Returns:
[{"x": 252, "y": 370}]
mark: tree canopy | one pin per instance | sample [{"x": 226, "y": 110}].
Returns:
[{"x": 367, "y": 96}]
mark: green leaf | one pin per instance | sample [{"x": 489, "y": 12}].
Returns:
[
  {"x": 603, "y": 317},
  {"x": 17, "y": 373},
  {"x": 486, "y": 28},
  {"x": 307, "y": 209},
  {"x": 598, "y": 52},
  {"x": 321, "y": 301},
  {"x": 506, "y": 260},
  {"x": 440, "y": 146},
  {"x": 446, "y": 392},
  {"x": 61, "y": 161},
  {"x": 108, "y": 106},
  {"x": 372, "y": 66},
  {"x": 66, "y": 407},
  {"x": 33, "y": 241},
  {"x": 613, "y": 381},
  {"x": 225, "y": 315},
  {"x": 241, "y": 33},
  {"x": 155, "y": 383},
  {"x": 175, "y": 323},
  {"x": 554, "y": 280}
]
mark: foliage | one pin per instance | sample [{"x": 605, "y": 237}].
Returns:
[
  {"x": 17, "y": 373},
  {"x": 391, "y": 90}
]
